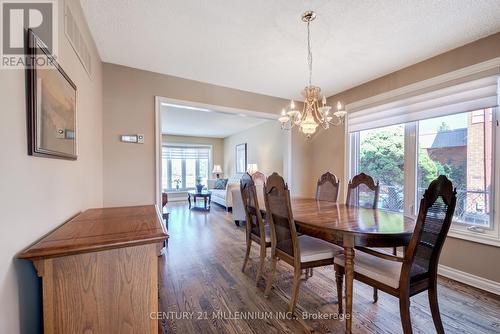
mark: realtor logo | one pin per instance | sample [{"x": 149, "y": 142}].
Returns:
[{"x": 19, "y": 15}]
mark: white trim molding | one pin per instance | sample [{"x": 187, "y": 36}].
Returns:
[
  {"x": 157, "y": 156},
  {"x": 469, "y": 279}
]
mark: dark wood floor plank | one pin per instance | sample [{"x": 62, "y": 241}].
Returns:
[{"x": 200, "y": 272}]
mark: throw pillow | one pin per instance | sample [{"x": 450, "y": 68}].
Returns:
[{"x": 220, "y": 184}]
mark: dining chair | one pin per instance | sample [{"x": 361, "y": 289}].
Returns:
[
  {"x": 417, "y": 270},
  {"x": 259, "y": 179},
  {"x": 165, "y": 215},
  {"x": 362, "y": 191},
  {"x": 327, "y": 188},
  {"x": 256, "y": 230},
  {"x": 301, "y": 252}
]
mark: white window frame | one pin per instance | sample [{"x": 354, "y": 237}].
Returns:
[
  {"x": 460, "y": 231},
  {"x": 489, "y": 236},
  {"x": 169, "y": 189},
  {"x": 457, "y": 230}
]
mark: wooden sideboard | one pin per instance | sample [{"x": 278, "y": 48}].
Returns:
[{"x": 99, "y": 271}]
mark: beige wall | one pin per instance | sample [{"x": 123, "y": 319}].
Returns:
[
  {"x": 38, "y": 194},
  {"x": 265, "y": 147},
  {"x": 303, "y": 179},
  {"x": 328, "y": 146},
  {"x": 217, "y": 153},
  {"x": 129, "y": 97}
]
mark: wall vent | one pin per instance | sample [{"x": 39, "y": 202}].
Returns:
[{"x": 76, "y": 40}]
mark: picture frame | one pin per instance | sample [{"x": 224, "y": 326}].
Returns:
[
  {"x": 51, "y": 104},
  {"x": 241, "y": 158}
]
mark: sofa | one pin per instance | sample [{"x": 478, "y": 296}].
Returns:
[
  {"x": 238, "y": 208},
  {"x": 224, "y": 197}
]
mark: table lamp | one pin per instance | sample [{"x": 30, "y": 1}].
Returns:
[
  {"x": 252, "y": 168},
  {"x": 217, "y": 170}
]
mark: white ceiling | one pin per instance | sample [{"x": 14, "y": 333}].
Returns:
[
  {"x": 177, "y": 120},
  {"x": 260, "y": 46}
]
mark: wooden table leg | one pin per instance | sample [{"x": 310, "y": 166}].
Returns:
[{"x": 349, "y": 278}]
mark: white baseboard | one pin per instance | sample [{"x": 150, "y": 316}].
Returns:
[
  {"x": 466, "y": 278},
  {"x": 469, "y": 279}
]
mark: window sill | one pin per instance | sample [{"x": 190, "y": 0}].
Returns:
[
  {"x": 492, "y": 238},
  {"x": 173, "y": 192}
]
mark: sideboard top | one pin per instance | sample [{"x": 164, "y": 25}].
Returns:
[{"x": 100, "y": 229}]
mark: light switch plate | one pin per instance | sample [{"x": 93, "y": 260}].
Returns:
[
  {"x": 136, "y": 139},
  {"x": 129, "y": 138}
]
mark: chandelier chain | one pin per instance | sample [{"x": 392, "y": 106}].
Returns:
[{"x": 309, "y": 53}]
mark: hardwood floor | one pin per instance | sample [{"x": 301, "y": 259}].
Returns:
[{"x": 202, "y": 290}]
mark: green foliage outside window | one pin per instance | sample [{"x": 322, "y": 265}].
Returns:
[{"x": 382, "y": 157}]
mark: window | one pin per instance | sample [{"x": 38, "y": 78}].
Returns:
[
  {"x": 183, "y": 165},
  {"x": 381, "y": 155},
  {"x": 405, "y": 141},
  {"x": 460, "y": 146}
]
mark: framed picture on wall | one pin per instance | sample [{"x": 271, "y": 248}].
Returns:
[
  {"x": 51, "y": 105},
  {"x": 241, "y": 158}
]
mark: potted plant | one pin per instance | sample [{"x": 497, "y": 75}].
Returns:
[
  {"x": 177, "y": 183},
  {"x": 199, "y": 185}
]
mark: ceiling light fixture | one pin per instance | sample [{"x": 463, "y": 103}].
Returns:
[{"x": 312, "y": 114}]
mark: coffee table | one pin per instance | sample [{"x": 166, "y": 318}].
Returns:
[{"x": 206, "y": 195}]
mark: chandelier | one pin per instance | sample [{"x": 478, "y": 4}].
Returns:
[{"x": 312, "y": 115}]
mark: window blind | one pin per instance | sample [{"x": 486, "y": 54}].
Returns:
[
  {"x": 185, "y": 152},
  {"x": 469, "y": 96}
]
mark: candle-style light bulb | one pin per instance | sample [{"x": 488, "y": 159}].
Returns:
[
  {"x": 339, "y": 105},
  {"x": 292, "y": 105},
  {"x": 283, "y": 112},
  {"x": 324, "y": 100}
]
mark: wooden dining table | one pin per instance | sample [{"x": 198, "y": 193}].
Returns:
[{"x": 351, "y": 227}]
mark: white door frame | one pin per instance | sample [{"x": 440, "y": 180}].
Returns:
[{"x": 158, "y": 138}]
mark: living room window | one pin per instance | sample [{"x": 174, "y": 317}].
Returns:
[{"x": 183, "y": 164}]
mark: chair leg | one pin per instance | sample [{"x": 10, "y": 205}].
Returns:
[
  {"x": 339, "y": 277},
  {"x": 262, "y": 258},
  {"x": 247, "y": 255},
  {"x": 404, "y": 310},
  {"x": 270, "y": 278},
  {"x": 433, "y": 301},
  {"x": 308, "y": 272},
  {"x": 295, "y": 289},
  {"x": 375, "y": 295},
  {"x": 304, "y": 272}
]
